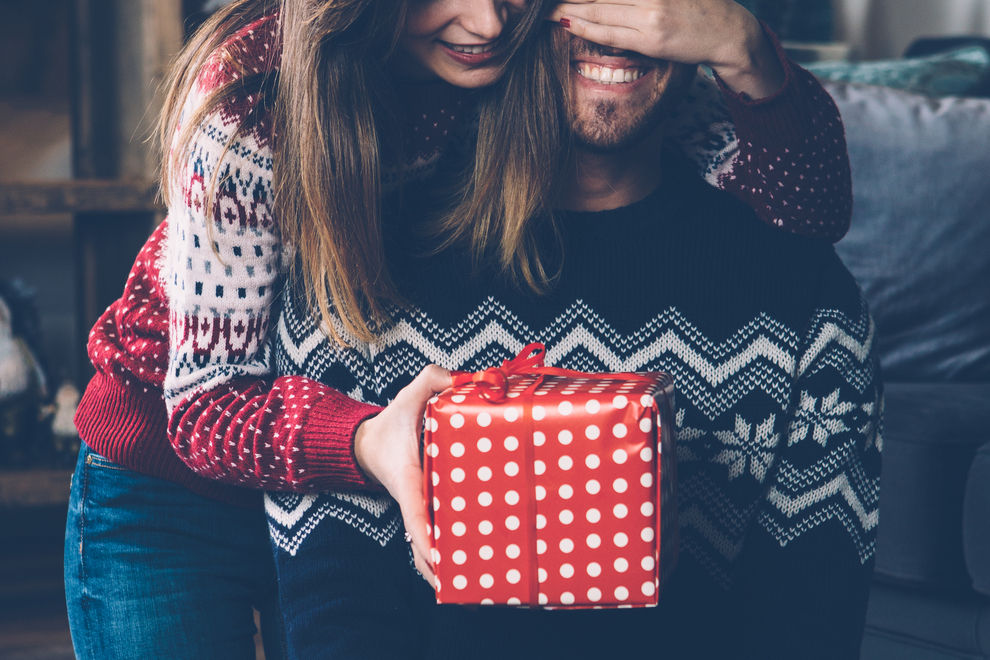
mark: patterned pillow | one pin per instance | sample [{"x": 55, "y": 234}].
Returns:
[{"x": 962, "y": 72}]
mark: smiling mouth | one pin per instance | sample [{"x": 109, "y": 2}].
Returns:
[
  {"x": 607, "y": 75},
  {"x": 475, "y": 49}
]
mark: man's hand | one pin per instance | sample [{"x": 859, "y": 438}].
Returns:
[
  {"x": 720, "y": 34},
  {"x": 387, "y": 449}
]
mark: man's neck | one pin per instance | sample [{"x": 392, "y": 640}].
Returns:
[{"x": 604, "y": 180}]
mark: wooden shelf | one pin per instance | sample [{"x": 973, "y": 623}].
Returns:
[
  {"x": 24, "y": 488},
  {"x": 78, "y": 196}
]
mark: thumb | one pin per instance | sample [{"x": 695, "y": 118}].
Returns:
[{"x": 429, "y": 381}]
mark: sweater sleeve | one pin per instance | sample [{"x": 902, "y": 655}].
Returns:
[
  {"x": 229, "y": 419},
  {"x": 784, "y": 156},
  {"x": 129, "y": 341},
  {"x": 805, "y": 568}
]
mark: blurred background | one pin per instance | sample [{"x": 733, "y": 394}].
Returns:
[{"x": 78, "y": 96}]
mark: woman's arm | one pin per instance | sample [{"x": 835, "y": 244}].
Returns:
[
  {"x": 229, "y": 419},
  {"x": 766, "y": 131}
]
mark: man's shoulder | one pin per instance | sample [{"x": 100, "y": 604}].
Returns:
[{"x": 739, "y": 259}]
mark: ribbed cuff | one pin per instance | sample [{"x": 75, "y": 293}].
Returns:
[
  {"x": 128, "y": 426},
  {"x": 328, "y": 445},
  {"x": 779, "y": 119}
]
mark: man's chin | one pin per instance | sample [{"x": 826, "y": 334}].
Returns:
[
  {"x": 606, "y": 130},
  {"x": 606, "y": 144}
]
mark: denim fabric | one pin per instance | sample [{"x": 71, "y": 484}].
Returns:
[{"x": 155, "y": 571}]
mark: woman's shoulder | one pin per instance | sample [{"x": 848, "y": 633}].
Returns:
[
  {"x": 252, "y": 50},
  {"x": 232, "y": 92}
]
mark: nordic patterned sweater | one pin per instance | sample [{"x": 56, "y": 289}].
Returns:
[
  {"x": 778, "y": 412},
  {"x": 791, "y": 138}
]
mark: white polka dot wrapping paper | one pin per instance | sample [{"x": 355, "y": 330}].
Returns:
[{"x": 551, "y": 488}]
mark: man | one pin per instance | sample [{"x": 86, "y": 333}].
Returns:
[{"x": 771, "y": 349}]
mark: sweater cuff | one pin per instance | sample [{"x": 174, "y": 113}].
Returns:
[
  {"x": 126, "y": 424},
  {"x": 327, "y": 446},
  {"x": 779, "y": 119}
]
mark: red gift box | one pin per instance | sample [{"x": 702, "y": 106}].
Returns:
[{"x": 551, "y": 488}]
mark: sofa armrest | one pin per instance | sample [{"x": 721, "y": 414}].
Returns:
[
  {"x": 976, "y": 521},
  {"x": 932, "y": 434}
]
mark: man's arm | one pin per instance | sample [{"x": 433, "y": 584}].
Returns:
[{"x": 804, "y": 572}]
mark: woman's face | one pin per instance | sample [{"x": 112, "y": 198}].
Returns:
[{"x": 458, "y": 41}]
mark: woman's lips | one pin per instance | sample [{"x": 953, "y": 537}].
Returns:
[{"x": 471, "y": 54}]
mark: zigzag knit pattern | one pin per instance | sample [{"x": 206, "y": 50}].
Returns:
[
  {"x": 221, "y": 271},
  {"x": 718, "y": 448},
  {"x": 778, "y": 411}
]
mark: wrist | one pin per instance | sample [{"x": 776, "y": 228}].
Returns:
[
  {"x": 750, "y": 66},
  {"x": 363, "y": 436}
]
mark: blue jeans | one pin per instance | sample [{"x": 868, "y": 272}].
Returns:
[{"x": 154, "y": 571}]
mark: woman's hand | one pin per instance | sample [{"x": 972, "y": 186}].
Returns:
[
  {"x": 720, "y": 34},
  {"x": 387, "y": 449}
]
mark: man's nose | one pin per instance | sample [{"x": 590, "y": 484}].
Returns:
[{"x": 486, "y": 18}]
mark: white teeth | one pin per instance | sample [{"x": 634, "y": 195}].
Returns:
[
  {"x": 608, "y": 75},
  {"x": 473, "y": 50}
]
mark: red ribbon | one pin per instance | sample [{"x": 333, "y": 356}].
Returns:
[
  {"x": 494, "y": 381},
  {"x": 494, "y": 386}
]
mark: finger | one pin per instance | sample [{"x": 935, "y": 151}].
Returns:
[
  {"x": 409, "y": 494},
  {"x": 576, "y": 3},
  {"x": 424, "y": 569},
  {"x": 614, "y": 36},
  {"x": 423, "y": 562},
  {"x": 431, "y": 379},
  {"x": 617, "y": 14},
  {"x": 428, "y": 382}
]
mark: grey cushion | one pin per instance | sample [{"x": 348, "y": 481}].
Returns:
[
  {"x": 920, "y": 237},
  {"x": 956, "y": 73},
  {"x": 932, "y": 433}
]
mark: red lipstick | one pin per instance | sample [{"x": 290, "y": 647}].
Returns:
[{"x": 470, "y": 59}]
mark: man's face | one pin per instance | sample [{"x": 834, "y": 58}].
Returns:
[{"x": 619, "y": 97}]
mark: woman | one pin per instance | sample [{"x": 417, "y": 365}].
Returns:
[{"x": 133, "y": 469}]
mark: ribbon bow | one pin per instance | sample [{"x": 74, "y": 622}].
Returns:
[{"x": 494, "y": 381}]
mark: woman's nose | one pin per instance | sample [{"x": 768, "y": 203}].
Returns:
[{"x": 486, "y": 18}]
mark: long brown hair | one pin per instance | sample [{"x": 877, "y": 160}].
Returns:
[
  {"x": 330, "y": 107},
  {"x": 327, "y": 103},
  {"x": 520, "y": 163}
]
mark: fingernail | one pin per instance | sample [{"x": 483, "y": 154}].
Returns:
[{"x": 565, "y": 22}]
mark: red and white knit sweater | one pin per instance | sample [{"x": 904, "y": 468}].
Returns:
[{"x": 229, "y": 420}]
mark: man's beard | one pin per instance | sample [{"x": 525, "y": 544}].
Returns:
[
  {"x": 603, "y": 134},
  {"x": 611, "y": 127}
]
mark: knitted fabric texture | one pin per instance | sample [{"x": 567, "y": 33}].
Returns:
[
  {"x": 778, "y": 414},
  {"x": 292, "y": 433}
]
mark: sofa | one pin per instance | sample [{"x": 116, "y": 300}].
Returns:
[{"x": 920, "y": 247}]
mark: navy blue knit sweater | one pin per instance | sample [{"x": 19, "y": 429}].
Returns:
[{"x": 779, "y": 408}]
